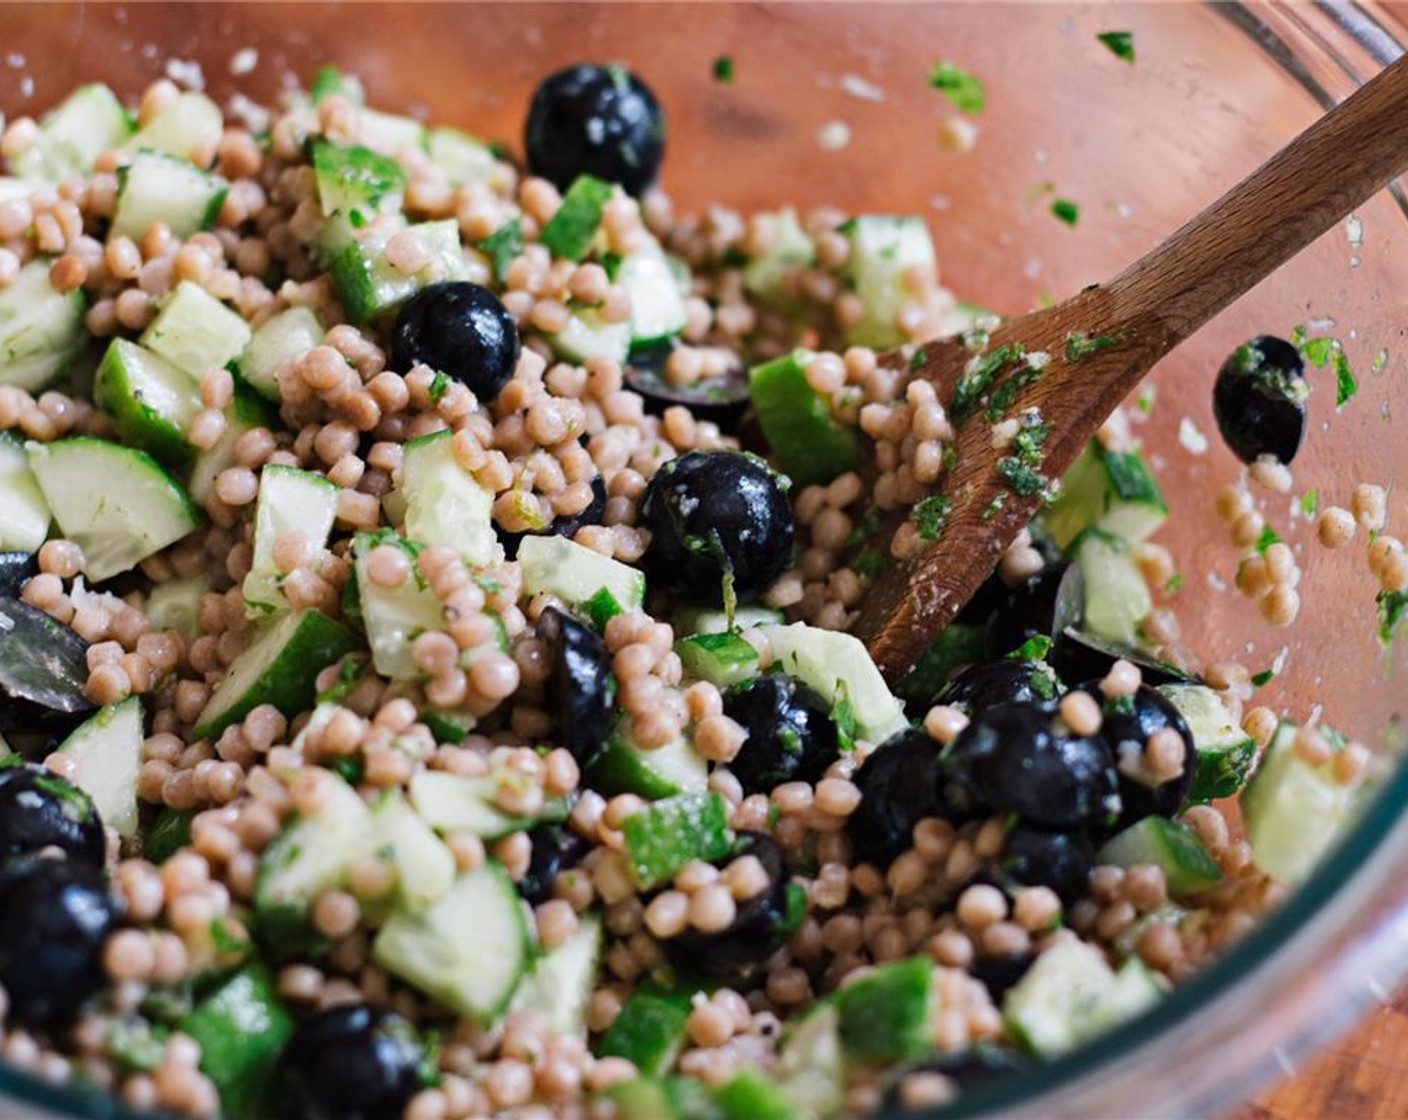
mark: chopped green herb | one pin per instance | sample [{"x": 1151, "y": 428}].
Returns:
[
  {"x": 1005, "y": 395},
  {"x": 601, "y": 608},
  {"x": 1345, "y": 384},
  {"x": 1120, "y": 44},
  {"x": 1023, "y": 481},
  {"x": 503, "y": 245},
  {"x": 869, "y": 563},
  {"x": 866, "y": 527},
  {"x": 978, "y": 377},
  {"x": 1317, "y": 351},
  {"x": 1309, "y": 502},
  {"x": 949, "y": 457},
  {"x": 1043, "y": 685},
  {"x": 964, "y": 91},
  {"x": 994, "y": 507},
  {"x": 1392, "y": 605},
  {"x": 439, "y": 385},
  {"x": 929, "y": 516},
  {"x": 1034, "y": 648},
  {"x": 723, "y": 70},
  {"x": 225, "y": 942},
  {"x": 916, "y": 360},
  {"x": 1265, "y": 677},
  {"x": 733, "y": 257},
  {"x": 1268, "y": 537},
  {"x": 135, "y": 1046},
  {"x": 1119, "y": 706},
  {"x": 1081, "y": 345},
  {"x": 1066, "y": 210},
  {"x": 1145, "y": 401},
  {"x": 1173, "y": 583}
]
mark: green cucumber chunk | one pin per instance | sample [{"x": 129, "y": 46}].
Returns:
[
  {"x": 241, "y": 1028},
  {"x": 395, "y": 616},
  {"x": 574, "y": 573},
  {"x": 188, "y": 129},
  {"x": 175, "y": 604},
  {"x": 445, "y": 504},
  {"x": 749, "y": 1095},
  {"x": 453, "y": 802},
  {"x": 650, "y": 1030},
  {"x": 721, "y": 659},
  {"x": 24, "y": 514},
  {"x": 106, "y": 753},
  {"x": 657, "y": 305},
  {"x": 41, "y": 329},
  {"x": 839, "y": 667},
  {"x": 246, "y": 412},
  {"x": 284, "y": 338},
  {"x": 810, "y": 1068},
  {"x": 884, "y": 250},
  {"x": 463, "y": 158},
  {"x": 151, "y": 402},
  {"x": 117, "y": 503},
  {"x": 368, "y": 285},
  {"x": 1226, "y": 753},
  {"x": 356, "y": 183},
  {"x": 570, "y": 231},
  {"x": 161, "y": 188},
  {"x": 711, "y": 620},
  {"x": 789, "y": 251},
  {"x": 279, "y": 667},
  {"x": 563, "y": 979},
  {"x": 425, "y": 867},
  {"x": 1174, "y": 848},
  {"x": 667, "y": 834},
  {"x": 1117, "y": 599},
  {"x": 1113, "y": 491},
  {"x": 624, "y": 767},
  {"x": 290, "y": 500},
  {"x": 811, "y": 447},
  {"x": 195, "y": 332},
  {"x": 587, "y": 335},
  {"x": 885, "y": 1016},
  {"x": 90, "y": 121}
]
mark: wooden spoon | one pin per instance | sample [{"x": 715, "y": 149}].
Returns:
[{"x": 1103, "y": 341}]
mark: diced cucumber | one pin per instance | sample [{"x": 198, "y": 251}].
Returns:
[
  {"x": 356, "y": 183},
  {"x": 721, "y": 659},
  {"x": 789, "y": 250},
  {"x": 290, "y": 500},
  {"x": 962, "y": 643},
  {"x": 241, "y": 1029},
  {"x": 12, "y": 189},
  {"x": 751, "y": 1095},
  {"x": 279, "y": 667},
  {"x": 107, "y": 753},
  {"x": 189, "y": 128},
  {"x": 395, "y": 616},
  {"x": 884, "y": 250},
  {"x": 151, "y": 401},
  {"x": 175, "y": 604},
  {"x": 460, "y": 803},
  {"x": 667, "y": 834},
  {"x": 468, "y": 951},
  {"x": 1173, "y": 847},
  {"x": 5, "y": 751},
  {"x": 811, "y": 447},
  {"x": 1112, "y": 491},
  {"x": 650, "y": 1030},
  {"x": 570, "y": 231},
  {"x": 810, "y": 1068},
  {"x": 24, "y": 514},
  {"x": 286, "y": 337},
  {"x": 1116, "y": 597},
  {"x": 588, "y": 336},
  {"x": 425, "y": 867},
  {"x": 390, "y": 132},
  {"x": 463, "y": 158},
  {"x": 330, "y": 81},
  {"x": 41, "y": 329},
  {"x": 839, "y": 667},
  {"x": 246, "y": 412},
  {"x": 445, "y": 504},
  {"x": 574, "y": 573},
  {"x": 710, "y": 620},
  {"x": 564, "y": 978},
  {"x": 115, "y": 502},
  {"x": 1070, "y": 995},
  {"x": 196, "y": 332},
  {"x": 90, "y": 122},
  {"x": 311, "y": 855},
  {"x": 623, "y": 767},
  {"x": 1293, "y": 811},
  {"x": 885, "y": 1016},
  {"x": 1226, "y": 753},
  {"x": 368, "y": 285},
  {"x": 657, "y": 307},
  {"x": 159, "y": 188}
]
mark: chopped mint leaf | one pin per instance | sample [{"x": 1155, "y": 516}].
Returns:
[
  {"x": 1317, "y": 351},
  {"x": 1005, "y": 395},
  {"x": 1268, "y": 537},
  {"x": 1173, "y": 583},
  {"x": 135, "y": 1046},
  {"x": 1081, "y": 345},
  {"x": 916, "y": 361},
  {"x": 1120, "y": 44},
  {"x": 964, "y": 91},
  {"x": 1145, "y": 401},
  {"x": 1043, "y": 685},
  {"x": 1022, "y": 479},
  {"x": 348, "y": 768},
  {"x": 503, "y": 245},
  {"x": 1265, "y": 677},
  {"x": 866, "y": 527},
  {"x": 1119, "y": 706},
  {"x": 1066, "y": 210},
  {"x": 1345, "y": 384},
  {"x": 438, "y": 386},
  {"x": 869, "y": 563},
  {"x": 225, "y": 942},
  {"x": 1392, "y": 605},
  {"x": 1309, "y": 502},
  {"x": 929, "y": 516},
  {"x": 349, "y": 676},
  {"x": 601, "y": 608},
  {"x": 994, "y": 507},
  {"x": 978, "y": 377},
  {"x": 1034, "y": 648},
  {"x": 723, "y": 70}
]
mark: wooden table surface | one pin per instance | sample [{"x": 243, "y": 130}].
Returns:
[{"x": 1363, "y": 1076}]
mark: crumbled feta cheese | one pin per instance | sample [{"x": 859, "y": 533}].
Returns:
[
  {"x": 834, "y": 135},
  {"x": 243, "y": 61},
  {"x": 1192, "y": 439}
]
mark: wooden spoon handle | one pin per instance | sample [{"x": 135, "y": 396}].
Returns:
[{"x": 1266, "y": 219}]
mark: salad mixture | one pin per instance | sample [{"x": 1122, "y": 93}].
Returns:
[{"x": 424, "y": 595}]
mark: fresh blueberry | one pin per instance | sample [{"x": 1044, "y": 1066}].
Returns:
[
  {"x": 1079, "y": 656},
  {"x": 39, "y": 809},
  {"x": 900, "y": 784},
  {"x": 1015, "y": 758},
  {"x": 564, "y": 525},
  {"x": 55, "y": 915},
  {"x": 350, "y": 1063},
  {"x": 556, "y": 849},
  {"x": 1026, "y": 611},
  {"x": 1128, "y": 724},
  {"x": 595, "y": 120},
  {"x": 1259, "y": 399},
  {"x": 461, "y": 330},
  {"x": 717, "y": 518},
  {"x": 791, "y": 735},
  {"x": 1039, "y": 857},
  {"x": 581, "y": 690},
  {"x": 757, "y": 932},
  {"x": 1006, "y": 680}
]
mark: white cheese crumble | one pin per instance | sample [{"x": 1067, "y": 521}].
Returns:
[
  {"x": 834, "y": 135},
  {"x": 857, "y": 86},
  {"x": 1192, "y": 439},
  {"x": 243, "y": 61}
]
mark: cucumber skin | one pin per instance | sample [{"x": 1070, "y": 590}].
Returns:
[
  {"x": 649, "y": 1031},
  {"x": 810, "y": 445},
  {"x": 884, "y": 1017},
  {"x": 138, "y": 425},
  {"x": 664, "y": 837},
  {"x": 242, "y": 1028}
]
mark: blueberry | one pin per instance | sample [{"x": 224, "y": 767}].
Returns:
[
  {"x": 900, "y": 784},
  {"x": 791, "y": 735},
  {"x": 43, "y": 672},
  {"x": 998, "y": 974},
  {"x": 17, "y": 569},
  {"x": 1014, "y": 758},
  {"x": 581, "y": 691},
  {"x": 1004, "y": 681},
  {"x": 55, "y": 915},
  {"x": 1038, "y": 857},
  {"x": 595, "y": 120},
  {"x": 564, "y": 525},
  {"x": 717, "y": 516},
  {"x": 1259, "y": 399},
  {"x": 1026, "y": 611},
  {"x": 556, "y": 849},
  {"x": 39, "y": 809},
  {"x": 1079, "y": 656},
  {"x": 757, "y": 932},
  {"x": 350, "y": 1063},
  {"x": 1129, "y": 722},
  {"x": 461, "y": 330}
]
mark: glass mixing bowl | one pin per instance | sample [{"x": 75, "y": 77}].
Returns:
[{"x": 1140, "y": 148}]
